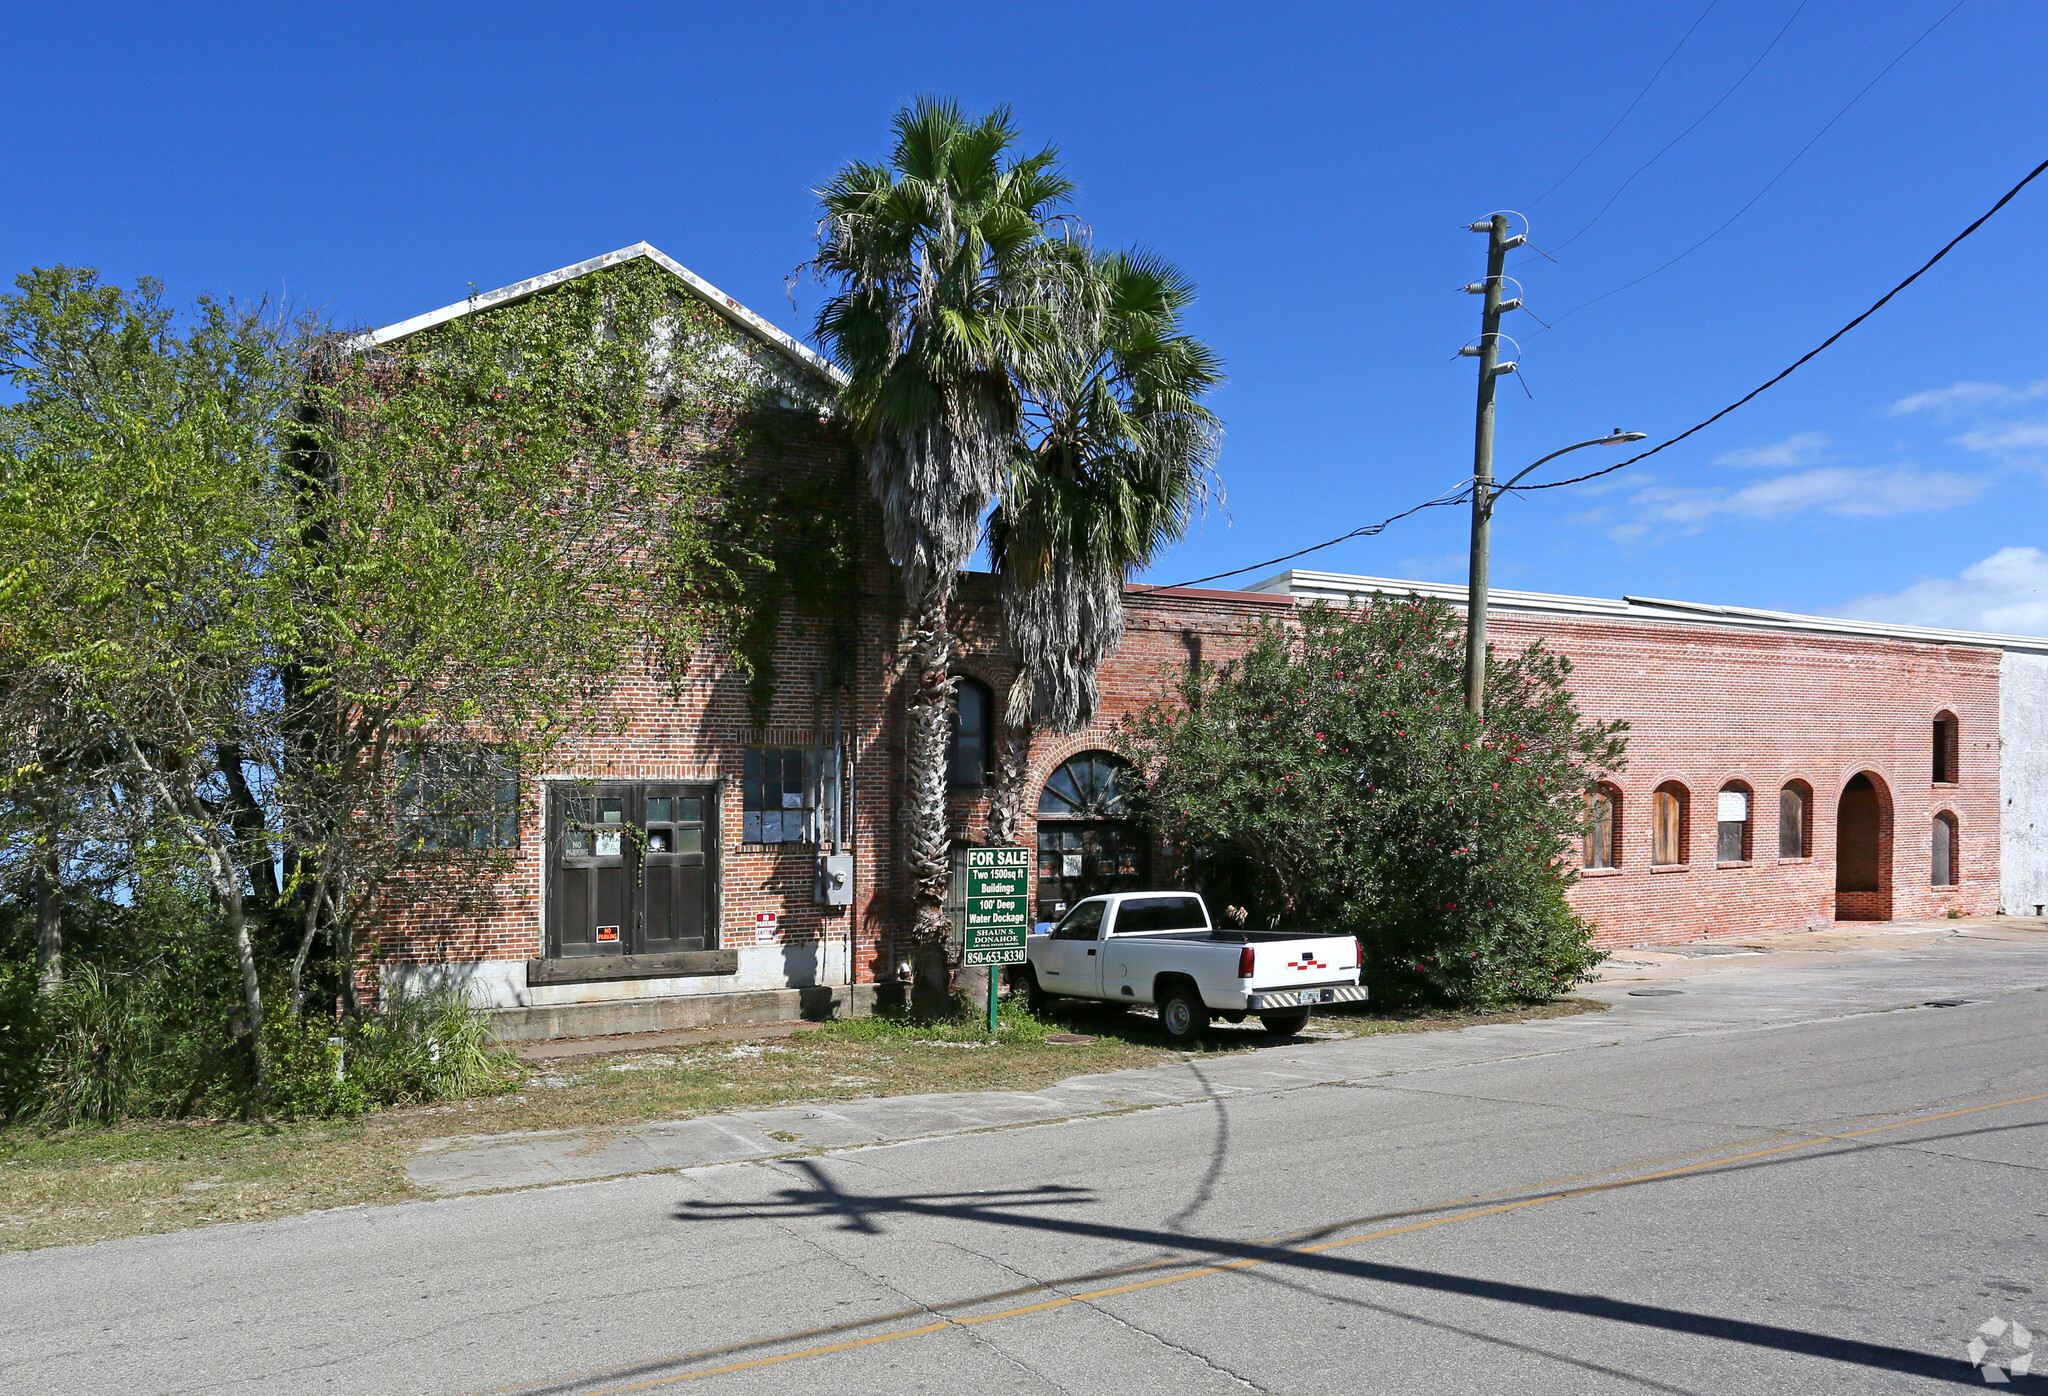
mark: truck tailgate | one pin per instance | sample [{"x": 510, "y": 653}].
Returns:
[{"x": 1297, "y": 964}]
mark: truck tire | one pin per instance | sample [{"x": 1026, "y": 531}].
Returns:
[
  {"x": 1036, "y": 1000},
  {"x": 1284, "y": 1024},
  {"x": 1182, "y": 1013}
]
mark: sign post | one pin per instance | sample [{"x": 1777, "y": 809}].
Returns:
[{"x": 997, "y": 915}]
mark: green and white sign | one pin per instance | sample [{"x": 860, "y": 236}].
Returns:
[{"x": 998, "y": 906}]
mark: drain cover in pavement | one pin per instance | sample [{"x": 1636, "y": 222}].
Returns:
[
  {"x": 1945, "y": 1003},
  {"x": 1653, "y": 993}
]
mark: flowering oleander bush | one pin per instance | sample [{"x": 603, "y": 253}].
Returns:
[{"x": 1332, "y": 779}]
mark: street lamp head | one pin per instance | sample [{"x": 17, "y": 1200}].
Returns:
[{"x": 1617, "y": 436}]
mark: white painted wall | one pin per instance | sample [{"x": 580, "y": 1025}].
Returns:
[
  {"x": 502, "y": 983},
  {"x": 2023, "y": 781}
]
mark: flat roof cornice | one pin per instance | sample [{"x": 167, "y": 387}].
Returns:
[{"x": 1306, "y": 585}]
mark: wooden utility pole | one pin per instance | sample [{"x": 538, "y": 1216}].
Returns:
[{"x": 1498, "y": 244}]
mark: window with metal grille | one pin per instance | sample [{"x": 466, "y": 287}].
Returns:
[
  {"x": 789, "y": 795},
  {"x": 457, "y": 795}
]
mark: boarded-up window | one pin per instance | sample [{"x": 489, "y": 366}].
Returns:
[
  {"x": 1944, "y": 851},
  {"x": 1667, "y": 827},
  {"x": 1600, "y": 828},
  {"x": 1731, "y": 842},
  {"x": 1792, "y": 822}
]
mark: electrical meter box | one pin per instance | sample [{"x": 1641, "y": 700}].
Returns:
[{"x": 835, "y": 879}]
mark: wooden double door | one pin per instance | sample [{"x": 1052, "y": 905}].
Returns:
[{"x": 632, "y": 868}]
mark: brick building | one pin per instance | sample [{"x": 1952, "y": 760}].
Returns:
[{"x": 716, "y": 860}]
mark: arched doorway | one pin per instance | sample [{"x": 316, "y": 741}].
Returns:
[
  {"x": 1087, "y": 841},
  {"x": 1863, "y": 872}
]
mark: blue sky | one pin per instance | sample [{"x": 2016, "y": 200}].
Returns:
[{"x": 1311, "y": 167}]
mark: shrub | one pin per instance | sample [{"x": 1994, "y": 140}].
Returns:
[{"x": 1332, "y": 779}]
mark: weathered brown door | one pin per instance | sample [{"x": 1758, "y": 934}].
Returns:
[
  {"x": 682, "y": 850},
  {"x": 590, "y": 891},
  {"x": 633, "y": 869}
]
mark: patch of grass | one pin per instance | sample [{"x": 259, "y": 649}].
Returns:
[{"x": 92, "y": 1183}]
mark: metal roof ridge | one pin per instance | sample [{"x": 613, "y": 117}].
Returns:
[
  {"x": 725, "y": 305},
  {"x": 1844, "y": 625},
  {"x": 1295, "y": 581}
]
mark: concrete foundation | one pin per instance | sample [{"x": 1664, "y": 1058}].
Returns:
[{"x": 604, "y": 1019}]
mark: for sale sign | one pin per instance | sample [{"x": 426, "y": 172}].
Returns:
[{"x": 998, "y": 915}]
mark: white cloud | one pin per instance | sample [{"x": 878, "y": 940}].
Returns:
[
  {"x": 1961, "y": 395},
  {"x": 2007, "y": 438},
  {"x": 1798, "y": 449},
  {"x": 2006, "y": 593},
  {"x": 1843, "y": 490}
]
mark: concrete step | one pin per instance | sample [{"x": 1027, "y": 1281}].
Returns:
[{"x": 640, "y": 1015}]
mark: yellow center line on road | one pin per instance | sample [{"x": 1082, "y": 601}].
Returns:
[{"x": 1549, "y": 1194}]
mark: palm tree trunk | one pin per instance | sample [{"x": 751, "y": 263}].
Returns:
[
  {"x": 927, "y": 841},
  {"x": 1013, "y": 765}
]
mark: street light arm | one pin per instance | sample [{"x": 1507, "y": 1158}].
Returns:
[{"x": 1611, "y": 439}]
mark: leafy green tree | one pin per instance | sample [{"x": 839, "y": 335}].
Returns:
[
  {"x": 1331, "y": 778},
  {"x": 937, "y": 265},
  {"x": 146, "y": 599},
  {"x": 1116, "y": 458},
  {"x": 253, "y": 571}
]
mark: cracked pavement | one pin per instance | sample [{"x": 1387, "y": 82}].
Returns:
[{"x": 1787, "y": 1175}]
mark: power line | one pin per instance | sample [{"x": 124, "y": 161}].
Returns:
[
  {"x": 1787, "y": 372},
  {"x": 1558, "y": 320},
  {"x": 1457, "y": 494},
  {"x": 1623, "y": 187},
  {"x": 1631, "y": 106},
  {"x": 1461, "y": 492}
]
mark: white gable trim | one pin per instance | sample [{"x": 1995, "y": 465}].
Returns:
[{"x": 719, "y": 301}]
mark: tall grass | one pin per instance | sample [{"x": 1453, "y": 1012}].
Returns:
[{"x": 118, "y": 1045}]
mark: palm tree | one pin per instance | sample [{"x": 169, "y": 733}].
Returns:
[
  {"x": 1117, "y": 458},
  {"x": 937, "y": 269}
]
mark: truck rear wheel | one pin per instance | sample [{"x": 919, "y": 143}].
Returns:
[
  {"x": 1183, "y": 1014},
  {"x": 1284, "y": 1024}
]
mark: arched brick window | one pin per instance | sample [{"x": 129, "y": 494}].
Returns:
[
  {"x": 1733, "y": 823},
  {"x": 1947, "y": 748},
  {"x": 1947, "y": 870},
  {"x": 971, "y": 757},
  {"x": 1795, "y": 820},
  {"x": 1601, "y": 847},
  {"x": 1670, "y": 824}
]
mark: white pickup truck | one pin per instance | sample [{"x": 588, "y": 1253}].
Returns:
[{"x": 1161, "y": 948}]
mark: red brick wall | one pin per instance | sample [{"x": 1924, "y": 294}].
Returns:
[
  {"x": 1707, "y": 705},
  {"x": 699, "y": 734}
]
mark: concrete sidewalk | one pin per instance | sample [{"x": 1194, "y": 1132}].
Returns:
[{"x": 1708, "y": 988}]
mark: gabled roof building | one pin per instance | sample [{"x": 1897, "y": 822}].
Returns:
[{"x": 718, "y": 861}]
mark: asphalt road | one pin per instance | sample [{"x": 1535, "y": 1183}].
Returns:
[{"x": 1791, "y": 1179}]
